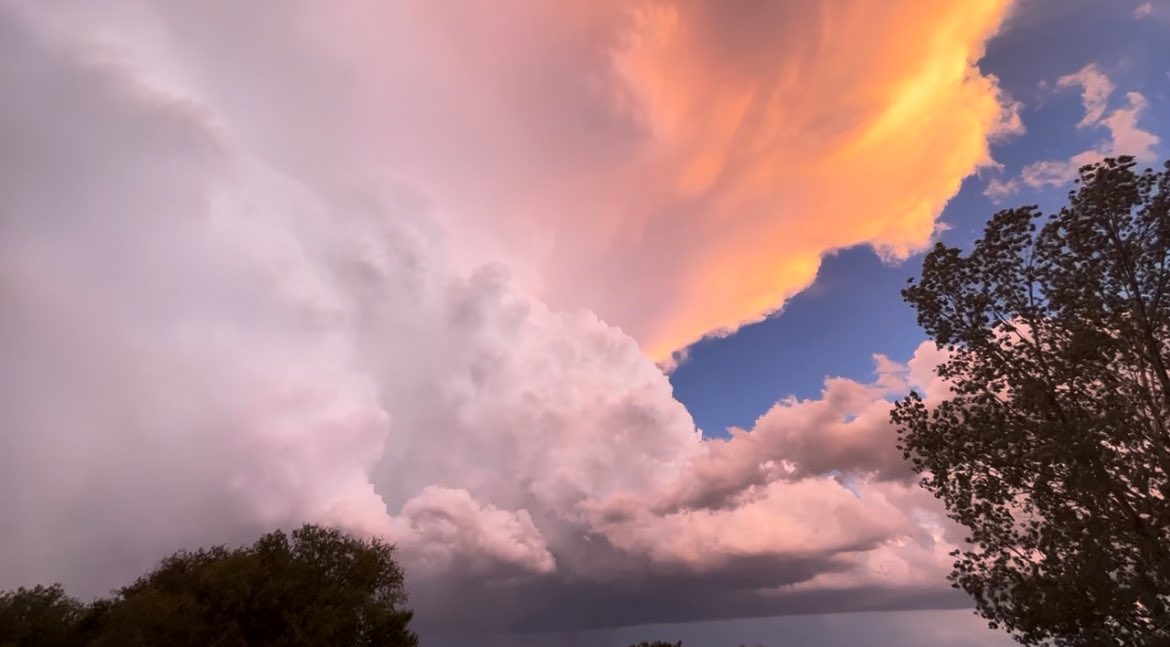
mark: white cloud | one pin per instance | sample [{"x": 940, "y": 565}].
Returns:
[{"x": 1143, "y": 10}]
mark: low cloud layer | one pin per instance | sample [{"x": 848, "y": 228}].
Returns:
[{"x": 242, "y": 291}]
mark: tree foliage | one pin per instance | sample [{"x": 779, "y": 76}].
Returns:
[
  {"x": 1054, "y": 448},
  {"x": 43, "y": 616},
  {"x": 317, "y": 587}
]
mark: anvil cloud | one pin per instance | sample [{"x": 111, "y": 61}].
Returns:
[{"x": 409, "y": 270}]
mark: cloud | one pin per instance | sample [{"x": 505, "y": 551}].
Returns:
[
  {"x": 1143, "y": 10},
  {"x": 1000, "y": 188},
  {"x": 1095, "y": 90},
  {"x": 1126, "y": 137},
  {"x": 204, "y": 345},
  {"x": 847, "y": 429},
  {"x": 783, "y": 487},
  {"x": 703, "y": 157},
  {"x": 241, "y": 295},
  {"x": 753, "y": 124},
  {"x": 441, "y": 525}
]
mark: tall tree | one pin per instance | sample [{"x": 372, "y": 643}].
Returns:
[{"x": 1054, "y": 449}]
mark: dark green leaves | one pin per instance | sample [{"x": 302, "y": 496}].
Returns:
[
  {"x": 40, "y": 617},
  {"x": 317, "y": 587}
]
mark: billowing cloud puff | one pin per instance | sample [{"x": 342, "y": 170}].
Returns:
[
  {"x": 241, "y": 269},
  {"x": 784, "y": 486},
  {"x": 441, "y": 525}
]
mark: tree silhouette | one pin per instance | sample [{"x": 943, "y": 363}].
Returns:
[
  {"x": 317, "y": 587},
  {"x": 1054, "y": 448}
]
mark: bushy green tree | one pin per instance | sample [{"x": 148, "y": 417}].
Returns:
[
  {"x": 42, "y": 616},
  {"x": 1055, "y": 447},
  {"x": 315, "y": 587}
]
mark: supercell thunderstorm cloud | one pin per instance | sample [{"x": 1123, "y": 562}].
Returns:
[{"x": 361, "y": 264}]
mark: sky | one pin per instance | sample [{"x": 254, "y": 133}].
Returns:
[{"x": 591, "y": 308}]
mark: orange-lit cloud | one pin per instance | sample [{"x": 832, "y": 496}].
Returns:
[
  {"x": 679, "y": 167},
  {"x": 775, "y": 135}
]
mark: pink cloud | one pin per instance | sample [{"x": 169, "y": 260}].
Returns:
[
  {"x": 1126, "y": 137},
  {"x": 246, "y": 246},
  {"x": 444, "y": 529},
  {"x": 814, "y": 478},
  {"x": 1095, "y": 91},
  {"x": 692, "y": 154}
]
